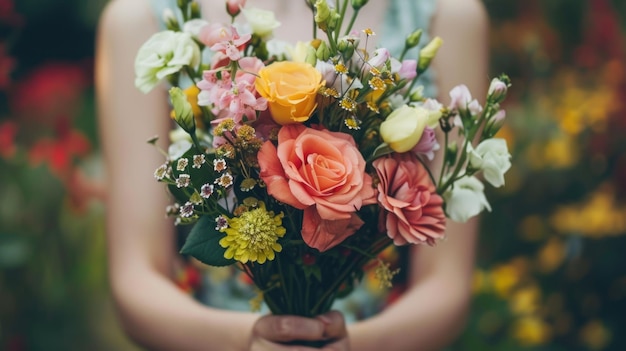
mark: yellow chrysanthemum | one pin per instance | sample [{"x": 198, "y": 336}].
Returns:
[{"x": 253, "y": 236}]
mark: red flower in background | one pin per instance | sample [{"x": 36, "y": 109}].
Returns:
[
  {"x": 7, "y": 63},
  {"x": 8, "y": 131},
  {"x": 60, "y": 151},
  {"x": 603, "y": 36},
  {"x": 52, "y": 90},
  {"x": 8, "y": 15}
]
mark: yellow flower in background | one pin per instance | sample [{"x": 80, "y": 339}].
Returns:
[
  {"x": 253, "y": 236},
  {"x": 526, "y": 300},
  {"x": 504, "y": 278},
  {"x": 533, "y": 228},
  {"x": 531, "y": 331},
  {"x": 595, "y": 335},
  {"x": 561, "y": 152},
  {"x": 598, "y": 217},
  {"x": 551, "y": 255},
  {"x": 479, "y": 281}
]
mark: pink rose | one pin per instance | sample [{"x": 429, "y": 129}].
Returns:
[
  {"x": 414, "y": 212},
  {"x": 322, "y": 173}
]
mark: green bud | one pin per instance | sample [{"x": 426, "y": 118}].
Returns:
[
  {"x": 323, "y": 52},
  {"x": 195, "y": 10},
  {"x": 322, "y": 12},
  {"x": 417, "y": 94},
  {"x": 334, "y": 19},
  {"x": 427, "y": 54},
  {"x": 357, "y": 4},
  {"x": 311, "y": 56},
  {"x": 170, "y": 20},
  {"x": 182, "y": 4},
  {"x": 413, "y": 39},
  {"x": 183, "y": 112},
  {"x": 451, "y": 153}
]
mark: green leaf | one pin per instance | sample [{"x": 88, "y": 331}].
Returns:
[{"x": 203, "y": 244}]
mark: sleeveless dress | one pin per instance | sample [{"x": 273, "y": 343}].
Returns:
[{"x": 225, "y": 288}]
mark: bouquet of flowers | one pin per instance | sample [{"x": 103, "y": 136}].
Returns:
[{"x": 300, "y": 164}]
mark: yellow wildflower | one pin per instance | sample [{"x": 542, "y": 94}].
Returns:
[
  {"x": 256, "y": 301},
  {"x": 384, "y": 274},
  {"x": 531, "y": 331},
  {"x": 525, "y": 301},
  {"x": 595, "y": 335},
  {"x": 253, "y": 236},
  {"x": 369, "y": 32},
  {"x": 551, "y": 255}
]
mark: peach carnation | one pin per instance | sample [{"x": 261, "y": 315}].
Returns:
[{"x": 413, "y": 211}]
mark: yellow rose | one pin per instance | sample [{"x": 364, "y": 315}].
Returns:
[
  {"x": 290, "y": 89},
  {"x": 403, "y": 128}
]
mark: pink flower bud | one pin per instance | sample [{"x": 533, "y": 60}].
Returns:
[
  {"x": 408, "y": 70},
  {"x": 497, "y": 90},
  {"x": 233, "y": 7},
  {"x": 379, "y": 58}
]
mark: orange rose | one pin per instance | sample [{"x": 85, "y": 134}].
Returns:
[
  {"x": 321, "y": 173},
  {"x": 290, "y": 89}
]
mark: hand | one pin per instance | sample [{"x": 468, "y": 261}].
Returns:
[{"x": 281, "y": 333}]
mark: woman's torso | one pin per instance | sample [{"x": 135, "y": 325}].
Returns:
[{"x": 391, "y": 20}]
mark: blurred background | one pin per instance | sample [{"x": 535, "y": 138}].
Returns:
[{"x": 551, "y": 271}]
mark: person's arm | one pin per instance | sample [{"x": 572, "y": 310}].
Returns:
[
  {"x": 153, "y": 311},
  {"x": 432, "y": 311}
]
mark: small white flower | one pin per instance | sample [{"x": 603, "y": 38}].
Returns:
[
  {"x": 164, "y": 54},
  {"x": 465, "y": 199},
  {"x": 219, "y": 165},
  {"x": 492, "y": 157},
  {"x": 162, "y": 171},
  {"x": 198, "y": 160},
  {"x": 182, "y": 164},
  {"x": 172, "y": 210},
  {"x": 183, "y": 181},
  {"x": 221, "y": 223},
  {"x": 225, "y": 180},
  {"x": 206, "y": 190},
  {"x": 186, "y": 210}
]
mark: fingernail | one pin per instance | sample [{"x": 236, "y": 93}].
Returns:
[{"x": 324, "y": 318}]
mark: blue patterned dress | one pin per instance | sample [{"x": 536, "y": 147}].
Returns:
[{"x": 225, "y": 288}]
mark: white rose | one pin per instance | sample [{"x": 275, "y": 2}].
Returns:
[
  {"x": 492, "y": 157},
  {"x": 165, "y": 53},
  {"x": 465, "y": 199},
  {"x": 262, "y": 22}
]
